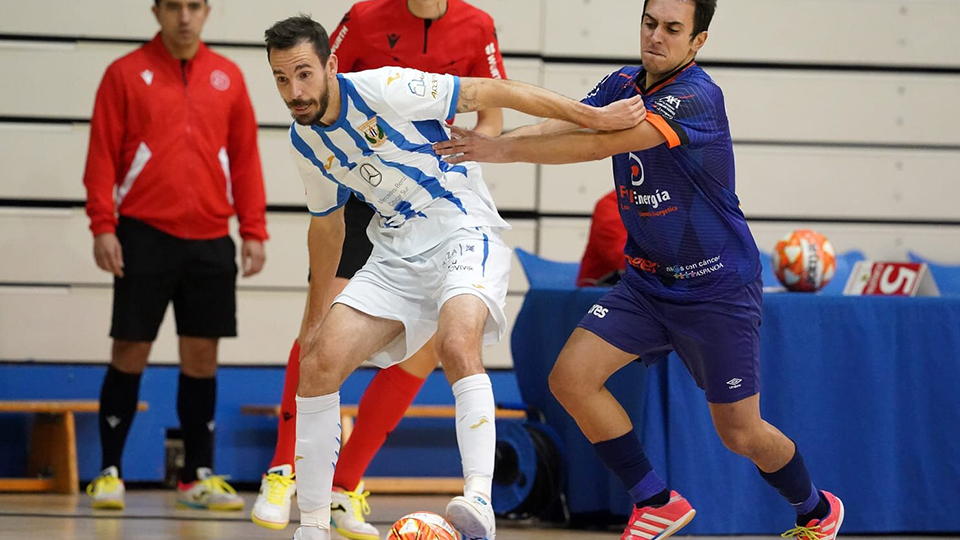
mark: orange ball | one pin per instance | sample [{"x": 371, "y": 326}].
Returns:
[
  {"x": 422, "y": 526},
  {"x": 804, "y": 261}
]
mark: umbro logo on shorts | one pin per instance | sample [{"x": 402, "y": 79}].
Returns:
[{"x": 734, "y": 383}]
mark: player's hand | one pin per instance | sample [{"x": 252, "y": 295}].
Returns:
[
  {"x": 252, "y": 257},
  {"x": 108, "y": 253},
  {"x": 469, "y": 145},
  {"x": 622, "y": 114}
]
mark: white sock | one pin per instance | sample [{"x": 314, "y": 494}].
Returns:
[
  {"x": 318, "y": 447},
  {"x": 476, "y": 432}
]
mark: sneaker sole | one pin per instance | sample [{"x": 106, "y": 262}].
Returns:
[
  {"x": 356, "y": 536},
  {"x": 467, "y": 520},
  {"x": 108, "y": 505},
  {"x": 214, "y": 507},
  {"x": 351, "y": 535},
  {"x": 677, "y": 525},
  {"x": 269, "y": 524}
]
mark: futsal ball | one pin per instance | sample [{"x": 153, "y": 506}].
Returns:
[
  {"x": 804, "y": 260},
  {"x": 422, "y": 526}
]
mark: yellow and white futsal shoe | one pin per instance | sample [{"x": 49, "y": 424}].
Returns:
[
  {"x": 346, "y": 514},
  {"x": 107, "y": 490},
  {"x": 208, "y": 492},
  {"x": 272, "y": 508}
]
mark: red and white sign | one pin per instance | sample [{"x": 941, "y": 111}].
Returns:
[{"x": 874, "y": 278}]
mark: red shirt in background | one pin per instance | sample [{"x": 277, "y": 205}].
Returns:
[
  {"x": 603, "y": 259},
  {"x": 174, "y": 144},
  {"x": 379, "y": 33}
]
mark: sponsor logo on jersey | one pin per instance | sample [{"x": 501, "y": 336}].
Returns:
[
  {"x": 340, "y": 35},
  {"x": 219, "y": 80},
  {"x": 667, "y": 106},
  {"x": 147, "y": 76},
  {"x": 695, "y": 270},
  {"x": 491, "y": 51},
  {"x": 645, "y": 200},
  {"x": 418, "y": 87},
  {"x": 636, "y": 169},
  {"x": 642, "y": 264},
  {"x": 373, "y": 133},
  {"x": 371, "y": 174},
  {"x": 392, "y": 39}
]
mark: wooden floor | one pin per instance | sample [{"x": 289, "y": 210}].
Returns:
[{"x": 152, "y": 515}]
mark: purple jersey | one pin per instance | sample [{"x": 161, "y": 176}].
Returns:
[{"x": 687, "y": 238}]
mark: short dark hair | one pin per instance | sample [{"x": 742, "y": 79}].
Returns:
[
  {"x": 157, "y": 2},
  {"x": 703, "y": 11},
  {"x": 293, "y": 31}
]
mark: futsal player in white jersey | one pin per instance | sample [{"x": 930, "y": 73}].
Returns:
[{"x": 438, "y": 263}]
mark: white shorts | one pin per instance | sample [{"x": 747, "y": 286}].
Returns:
[{"x": 412, "y": 289}]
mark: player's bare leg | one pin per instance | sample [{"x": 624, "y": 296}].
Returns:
[
  {"x": 778, "y": 459},
  {"x": 344, "y": 340},
  {"x": 459, "y": 341},
  {"x": 577, "y": 380}
]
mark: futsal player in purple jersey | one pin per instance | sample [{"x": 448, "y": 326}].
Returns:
[{"x": 693, "y": 272}]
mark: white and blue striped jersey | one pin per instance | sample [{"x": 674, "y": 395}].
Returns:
[{"x": 379, "y": 149}]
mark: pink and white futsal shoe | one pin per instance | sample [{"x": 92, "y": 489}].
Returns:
[{"x": 650, "y": 523}]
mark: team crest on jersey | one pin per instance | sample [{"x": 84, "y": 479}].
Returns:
[
  {"x": 219, "y": 80},
  {"x": 373, "y": 133},
  {"x": 667, "y": 106}
]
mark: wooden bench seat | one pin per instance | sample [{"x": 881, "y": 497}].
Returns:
[
  {"x": 52, "y": 465},
  {"x": 396, "y": 484}
]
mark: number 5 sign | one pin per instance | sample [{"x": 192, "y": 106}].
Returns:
[{"x": 891, "y": 279}]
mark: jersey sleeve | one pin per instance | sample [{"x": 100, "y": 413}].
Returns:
[
  {"x": 413, "y": 94},
  {"x": 688, "y": 116},
  {"x": 323, "y": 195},
  {"x": 345, "y": 42},
  {"x": 600, "y": 95},
  {"x": 488, "y": 61}
]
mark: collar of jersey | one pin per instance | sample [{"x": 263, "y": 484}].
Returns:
[
  {"x": 642, "y": 76},
  {"x": 343, "y": 108}
]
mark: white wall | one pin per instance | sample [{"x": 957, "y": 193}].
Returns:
[{"x": 844, "y": 117}]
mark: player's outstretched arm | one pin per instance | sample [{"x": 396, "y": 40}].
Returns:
[
  {"x": 556, "y": 149},
  {"x": 478, "y": 94},
  {"x": 547, "y": 127},
  {"x": 325, "y": 244}
]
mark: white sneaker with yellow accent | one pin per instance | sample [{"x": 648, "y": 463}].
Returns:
[
  {"x": 346, "y": 514},
  {"x": 208, "y": 492},
  {"x": 272, "y": 508},
  {"x": 472, "y": 516},
  {"x": 107, "y": 490}
]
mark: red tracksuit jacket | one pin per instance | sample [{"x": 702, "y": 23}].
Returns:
[
  {"x": 378, "y": 33},
  {"x": 174, "y": 144}
]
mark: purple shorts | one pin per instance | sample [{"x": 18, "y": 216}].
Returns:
[{"x": 718, "y": 341}]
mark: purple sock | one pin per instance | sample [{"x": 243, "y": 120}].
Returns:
[
  {"x": 793, "y": 482},
  {"x": 625, "y": 457}
]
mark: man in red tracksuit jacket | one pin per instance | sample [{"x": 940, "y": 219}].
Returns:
[
  {"x": 603, "y": 263},
  {"x": 173, "y": 155},
  {"x": 436, "y": 36}
]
